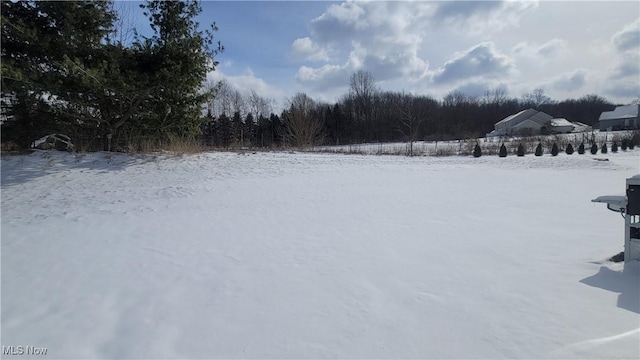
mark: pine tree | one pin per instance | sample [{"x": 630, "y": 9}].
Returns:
[
  {"x": 224, "y": 135},
  {"x": 237, "y": 128},
  {"x": 503, "y": 151},
  {"x": 581, "y": 148},
  {"x": 182, "y": 55},
  {"x": 594, "y": 149},
  {"x": 569, "y": 149},
  {"x": 520, "y": 150},
  {"x": 614, "y": 147},
  {"x": 539, "y": 149},
  {"x": 554, "y": 149},
  {"x": 50, "y": 49},
  {"x": 249, "y": 130},
  {"x": 477, "y": 152},
  {"x": 604, "y": 148}
]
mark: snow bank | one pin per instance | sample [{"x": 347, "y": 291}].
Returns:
[{"x": 273, "y": 255}]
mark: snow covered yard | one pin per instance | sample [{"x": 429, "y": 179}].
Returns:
[{"x": 275, "y": 255}]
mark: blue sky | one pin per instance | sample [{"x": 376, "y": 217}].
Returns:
[{"x": 570, "y": 48}]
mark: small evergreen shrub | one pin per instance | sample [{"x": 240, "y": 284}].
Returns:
[
  {"x": 624, "y": 145},
  {"x": 581, "y": 149},
  {"x": 594, "y": 149},
  {"x": 604, "y": 149},
  {"x": 539, "y": 149},
  {"x": 632, "y": 143},
  {"x": 477, "y": 152},
  {"x": 503, "y": 151},
  {"x": 614, "y": 147},
  {"x": 554, "y": 149},
  {"x": 520, "y": 150},
  {"x": 569, "y": 149}
]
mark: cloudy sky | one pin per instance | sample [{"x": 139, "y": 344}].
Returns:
[{"x": 568, "y": 48}]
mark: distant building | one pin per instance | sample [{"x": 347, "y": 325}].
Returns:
[
  {"x": 621, "y": 118},
  {"x": 534, "y": 122}
]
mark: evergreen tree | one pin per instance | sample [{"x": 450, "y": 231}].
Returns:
[
  {"x": 624, "y": 144},
  {"x": 632, "y": 143},
  {"x": 182, "y": 55},
  {"x": 503, "y": 151},
  {"x": 477, "y": 152},
  {"x": 594, "y": 149},
  {"x": 604, "y": 148},
  {"x": 614, "y": 147},
  {"x": 277, "y": 128},
  {"x": 581, "y": 148},
  {"x": 249, "y": 130},
  {"x": 569, "y": 149},
  {"x": 49, "y": 49},
  {"x": 539, "y": 149},
  {"x": 224, "y": 134},
  {"x": 520, "y": 150},
  {"x": 554, "y": 149},
  {"x": 237, "y": 128}
]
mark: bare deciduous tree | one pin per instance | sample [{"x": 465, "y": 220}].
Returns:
[
  {"x": 362, "y": 90},
  {"x": 259, "y": 105},
  {"x": 303, "y": 126},
  {"x": 536, "y": 98},
  {"x": 412, "y": 111}
]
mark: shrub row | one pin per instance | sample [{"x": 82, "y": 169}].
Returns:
[{"x": 625, "y": 144}]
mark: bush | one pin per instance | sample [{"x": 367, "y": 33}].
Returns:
[
  {"x": 569, "y": 149},
  {"x": 520, "y": 150},
  {"x": 624, "y": 144},
  {"x": 503, "y": 151},
  {"x": 604, "y": 148},
  {"x": 581, "y": 149},
  {"x": 539, "y": 149},
  {"x": 632, "y": 143},
  {"x": 614, "y": 147},
  {"x": 554, "y": 149},
  {"x": 477, "y": 152},
  {"x": 594, "y": 149}
]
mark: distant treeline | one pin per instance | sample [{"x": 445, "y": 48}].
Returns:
[{"x": 367, "y": 114}]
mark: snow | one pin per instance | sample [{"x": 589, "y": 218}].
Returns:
[{"x": 301, "y": 255}]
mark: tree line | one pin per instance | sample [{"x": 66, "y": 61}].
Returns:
[
  {"x": 368, "y": 114},
  {"x": 78, "y": 68}
]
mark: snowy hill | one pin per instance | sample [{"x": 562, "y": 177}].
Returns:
[{"x": 274, "y": 255}]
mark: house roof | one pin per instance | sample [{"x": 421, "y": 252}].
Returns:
[
  {"x": 526, "y": 123},
  {"x": 561, "y": 122},
  {"x": 620, "y": 112},
  {"x": 524, "y": 114},
  {"x": 529, "y": 114}
]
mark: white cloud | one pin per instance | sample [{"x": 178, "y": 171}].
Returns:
[
  {"x": 480, "y": 61},
  {"x": 474, "y": 17},
  {"x": 570, "y": 82},
  {"x": 306, "y": 49},
  {"x": 628, "y": 66},
  {"x": 628, "y": 38},
  {"x": 542, "y": 52},
  {"x": 324, "y": 77},
  {"x": 386, "y": 38},
  {"x": 247, "y": 82}
]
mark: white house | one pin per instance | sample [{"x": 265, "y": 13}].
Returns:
[
  {"x": 526, "y": 121},
  {"x": 621, "y": 118},
  {"x": 532, "y": 122}
]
